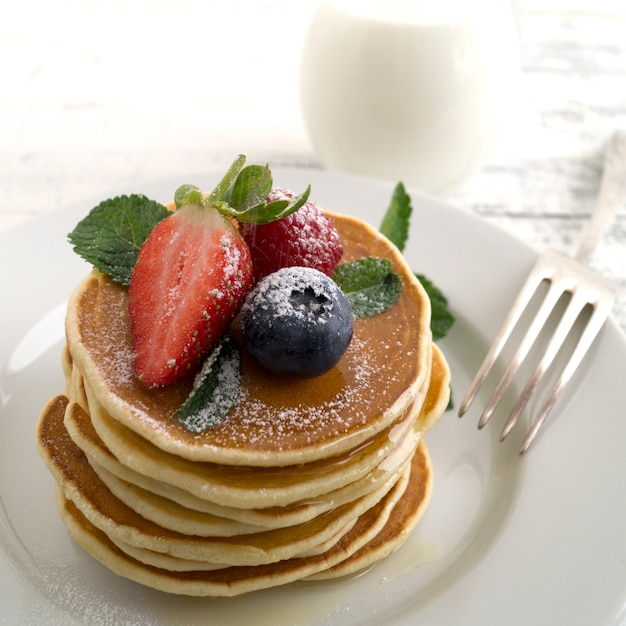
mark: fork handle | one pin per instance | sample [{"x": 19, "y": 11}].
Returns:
[{"x": 611, "y": 196}]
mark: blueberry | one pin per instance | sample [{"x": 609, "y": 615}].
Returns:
[{"x": 297, "y": 322}]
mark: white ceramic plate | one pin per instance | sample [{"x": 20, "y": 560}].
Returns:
[{"x": 507, "y": 540}]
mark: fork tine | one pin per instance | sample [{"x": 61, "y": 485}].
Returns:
[
  {"x": 566, "y": 323},
  {"x": 539, "y": 273},
  {"x": 586, "y": 288},
  {"x": 594, "y": 324},
  {"x": 547, "y": 306}
]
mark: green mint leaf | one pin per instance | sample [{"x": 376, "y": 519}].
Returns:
[
  {"x": 242, "y": 194},
  {"x": 215, "y": 389},
  {"x": 369, "y": 284},
  {"x": 377, "y": 299},
  {"x": 263, "y": 213},
  {"x": 442, "y": 318},
  {"x": 282, "y": 208},
  {"x": 111, "y": 235},
  {"x": 223, "y": 188},
  {"x": 395, "y": 226},
  {"x": 396, "y": 221},
  {"x": 187, "y": 194},
  {"x": 450, "y": 402},
  {"x": 251, "y": 187},
  {"x": 362, "y": 273}
]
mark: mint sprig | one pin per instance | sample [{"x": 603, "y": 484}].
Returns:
[
  {"x": 250, "y": 188},
  {"x": 369, "y": 284},
  {"x": 442, "y": 318},
  {"x": 395, "y": 225},
  {"x": 215, "y": 389},
  {"x": 396, "y": 221},
  {"x": 242, "y": 194},
  {"x": 222, "y": 188},
  {"x": 112, "y": 233}
]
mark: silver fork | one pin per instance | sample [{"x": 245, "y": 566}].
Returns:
[{"x": 586, "y": 290}]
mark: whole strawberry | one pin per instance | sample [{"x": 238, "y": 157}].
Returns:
[
  {"x": 188, "y": 283},
  {"x": 305, "y": 238}
]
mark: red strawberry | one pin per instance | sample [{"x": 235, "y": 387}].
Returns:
[
  {"x": 305, "y": 238},
  {"x": 191, "y": 276}
]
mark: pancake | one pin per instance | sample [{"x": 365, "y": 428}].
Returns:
[
  {"x": 170, "y": 515},
  {"x": 303, "y": 479},
  {"x": 277, "y": 421},
  {"x": 170, "y": 507},
  {"x": 82, "y": 433},
  {"x": 80, "y": 483},
  {"x": 166, "y": 561},
  {"x": 206, "y": 482},
  {"x": 390, "y": 517},
  {"x": 242, "y": 486},
  {"x": 406, "y": 515}
]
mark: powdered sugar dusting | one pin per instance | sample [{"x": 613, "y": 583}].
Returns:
[
  {"x": 233, "y": 256},
  {"x": 273, "y": 414},
  {"x": 217, "y": 386},
  {"x": 256, "y": 420},
  {"x": 365, "y": 383},
  {"x": 116, "y": 355},
  {"x": 304, "y": 238},
  {"x": 275, "y": 292}
]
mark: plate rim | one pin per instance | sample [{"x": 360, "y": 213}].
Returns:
[{"x": 616, "y": 335}]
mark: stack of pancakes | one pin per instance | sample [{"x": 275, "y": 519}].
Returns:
[{"x": 304, "y": 479}]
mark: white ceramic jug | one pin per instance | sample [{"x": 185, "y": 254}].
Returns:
[{"x": 411, "y": 90}]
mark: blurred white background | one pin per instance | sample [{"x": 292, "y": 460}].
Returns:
[
  {"x": 96, "y": 92},
  {"x": 96, "y": 95}
]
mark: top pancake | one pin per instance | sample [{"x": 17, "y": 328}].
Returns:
[{"x": 276, "y": 421}]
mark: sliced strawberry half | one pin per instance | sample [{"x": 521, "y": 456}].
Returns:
[{"x": 191, "y": 276}]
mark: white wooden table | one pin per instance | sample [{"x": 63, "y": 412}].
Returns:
[{"x": 96, "y": 95}]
